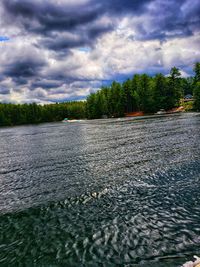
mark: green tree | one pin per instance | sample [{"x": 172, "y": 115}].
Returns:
[
  {"x": 144, "y": 91},
  {"x": 197, "y": 96},
  {"x": 116, "y": 100},
  {"x": 160, "y": 92},
  {"x": 91, "y": 109},
  {"x": 174, "y": 90},
  {"x": 187, "y": 85},
  {"x": 197, "y": 72},
  {"x": 136, "y": 93}
]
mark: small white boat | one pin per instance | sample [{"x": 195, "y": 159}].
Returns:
[
  {"x": 160, "y": 112},
  {"x": 67, "y": 120}
]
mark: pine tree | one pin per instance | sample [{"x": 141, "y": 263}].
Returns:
[{"x": 197, "y": 96}]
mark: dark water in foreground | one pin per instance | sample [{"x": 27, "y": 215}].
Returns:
[{"x": 101, "y": 193}]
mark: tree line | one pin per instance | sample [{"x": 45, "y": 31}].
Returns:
[
  {"x": 141, "y": 93},
  {"x": 17, "y": 114},
  {"x": 144, "y": 93}
]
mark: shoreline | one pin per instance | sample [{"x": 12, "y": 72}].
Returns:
[{"x": 117, "y": 119}]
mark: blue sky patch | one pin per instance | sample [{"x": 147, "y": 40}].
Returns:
[
  {"x": 4, "y": 39},
  {"x": 85, "y": 49}
]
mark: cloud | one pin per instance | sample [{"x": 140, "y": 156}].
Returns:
[
  {"x": 62, "y": 50},
  {"x": 46, "y": 16},
  {"x": 25, "y": 68},
  {"x": 46, "y": 84},
  {"x": 4, "y": 91}
]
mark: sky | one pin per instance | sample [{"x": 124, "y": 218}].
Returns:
[{"x": 61, "y": 50}]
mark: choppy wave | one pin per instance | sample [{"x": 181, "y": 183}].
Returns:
[{"x": 110, "y": 194}]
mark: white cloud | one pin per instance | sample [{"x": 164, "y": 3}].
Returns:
[{"x": 134, "y": 43}]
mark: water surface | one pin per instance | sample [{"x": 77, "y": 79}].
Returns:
[{"x": 101, "y": 193}]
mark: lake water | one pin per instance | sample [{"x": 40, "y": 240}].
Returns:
[{"x": 119, "y": 192}]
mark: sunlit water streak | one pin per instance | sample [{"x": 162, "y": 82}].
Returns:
[{"x": 101, "y": 193}]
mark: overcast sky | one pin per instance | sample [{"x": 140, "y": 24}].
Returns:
[{"x": 58, "y": 50}]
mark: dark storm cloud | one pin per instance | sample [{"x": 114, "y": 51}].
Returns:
[
  {"x": 125, "y": 6},
  {"x": 52, "y": 16},
  {"x": 4, "y": 91},
  {"x": 168, "y": 31},
  {"x": 22, "y": 69},
  {"x": 98, "y": 30},
  {"x": 62, "y": 43},
  {"x": 53, "y": 29},
  {"x": 83, "y": 38},
  {"x": 43, "y": 16},
  {"x": 50, "y": 20},
  {"x": 192, "y": 11},
  {"x": 46, "y": 84},
  {"x": 19, "y": 80},
  {"x": 55, "y": 80},
  {"x": 167, "y": 20},
  {"x": 171, "y": 19}
]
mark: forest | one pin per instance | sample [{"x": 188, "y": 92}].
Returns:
[
  {"x": 17, "y": 114},
  {"x": 144, "y": 93},
  {"x": 141, "y": 93}
]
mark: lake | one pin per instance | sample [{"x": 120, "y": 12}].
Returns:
[{"x": 116, "y": 192}]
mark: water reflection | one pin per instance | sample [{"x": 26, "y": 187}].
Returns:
[
  {"x": 101, "y": 193},
  {"x": 42, "y": 161}
]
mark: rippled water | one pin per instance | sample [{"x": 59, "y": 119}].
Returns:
[{"x": 101, "y": 193}]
